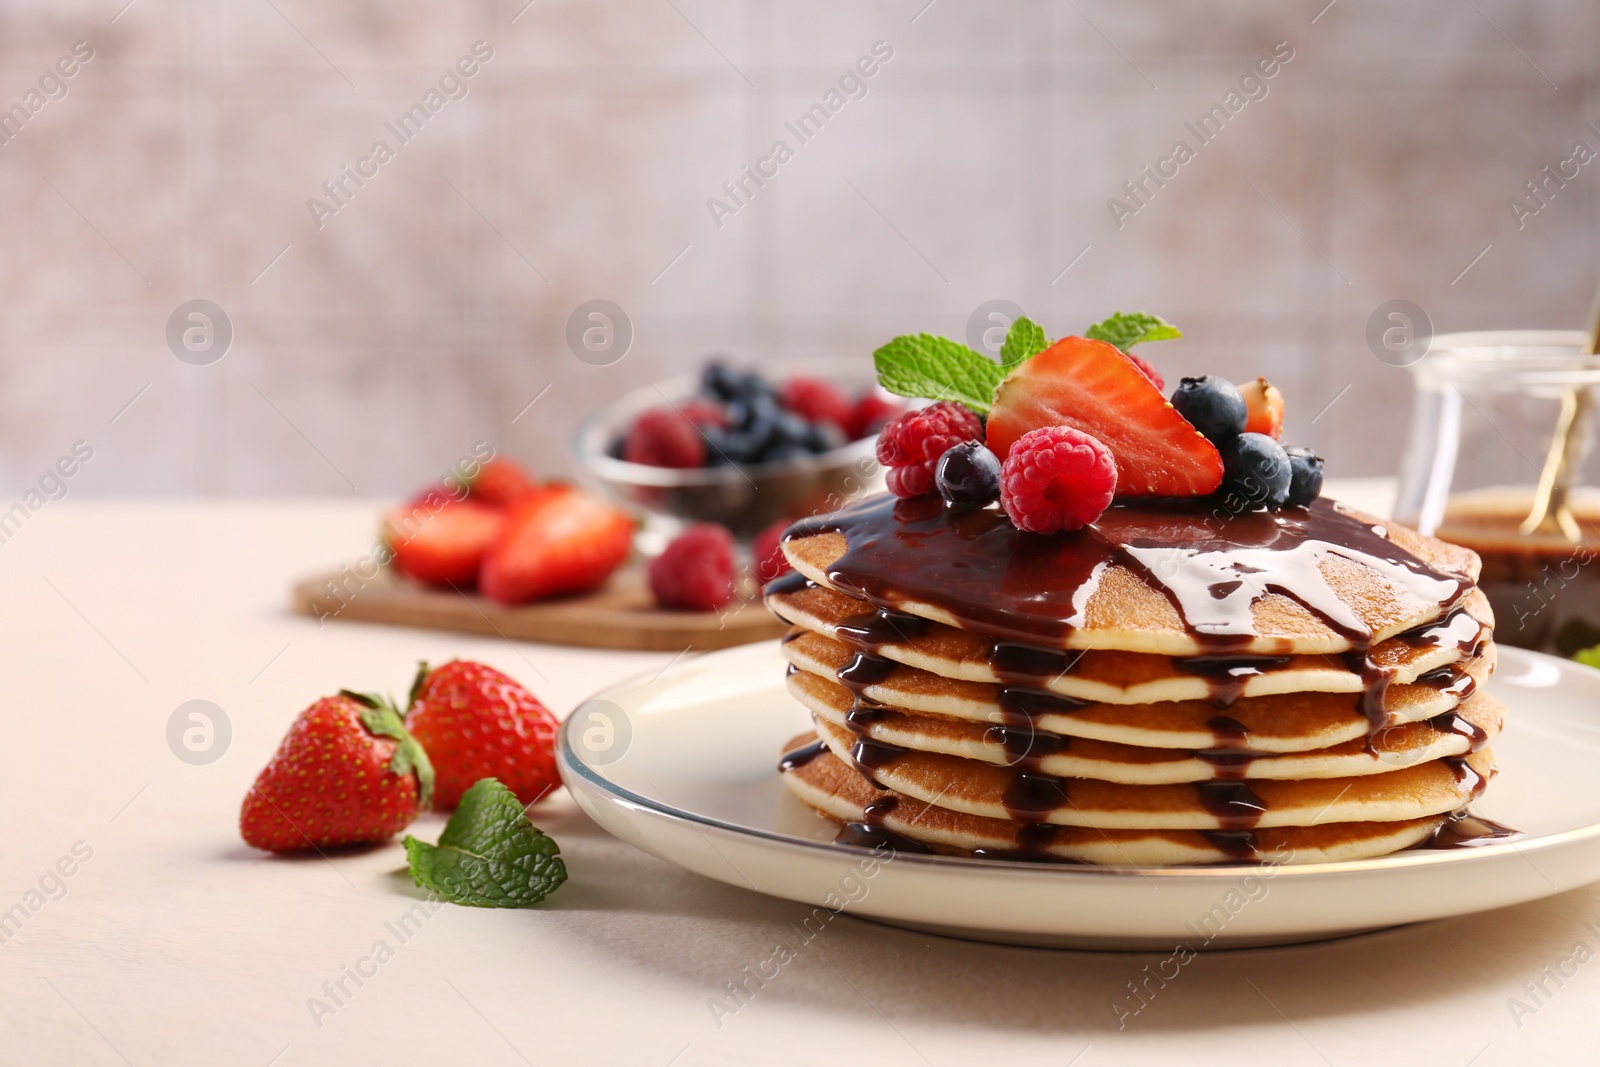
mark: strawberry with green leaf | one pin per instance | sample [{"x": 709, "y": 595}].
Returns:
[{"x": 346, "y": 773}]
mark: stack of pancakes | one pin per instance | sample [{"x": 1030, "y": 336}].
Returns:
[{"x": 1161, "y": 688}]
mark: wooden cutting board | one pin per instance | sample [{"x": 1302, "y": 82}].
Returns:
[{"x": 620, "y": 615}]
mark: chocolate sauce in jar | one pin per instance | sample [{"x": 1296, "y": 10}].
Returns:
[{"x": 1016, "y": 586}]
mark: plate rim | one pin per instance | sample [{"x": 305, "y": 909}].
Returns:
[{"x": 1406, "y": 859}]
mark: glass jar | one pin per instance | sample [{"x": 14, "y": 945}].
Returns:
[{"x": 1487, "y": 410}]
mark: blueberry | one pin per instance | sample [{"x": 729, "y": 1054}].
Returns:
[
  {"x": 718, "y": 380},
  {"x": 823, "y": 437},
  {"x": 724, "y": 446},
  {"x": 1255, "y": 472},
  {"x": 968, "y": 475},
  {"x": 1305, "y": 476},
  {"x": 789, "y": 428},
  {"x": 779, "y": 451},
  {"x": 1213, "y": 406},
  {"x": 749, "y": 385}
]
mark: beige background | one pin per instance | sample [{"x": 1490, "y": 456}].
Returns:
[{"x": 431, "y": 309}]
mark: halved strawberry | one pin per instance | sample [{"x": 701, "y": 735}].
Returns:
[
  {"x": 439, "y": 540},
  {"x": 1094, "y": 387},
  {"x": 555, "y": 542},
  {"x": 500, "y": 481},
  {"x": 1265, "y": 405}
]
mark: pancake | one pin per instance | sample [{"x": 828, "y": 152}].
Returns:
[
  {"x": 836, "y": 791},
  {"x": 975, "y": 788},
  {"x": 1174, "y": 581},
  {"x": 1119, "y": 677},
  {"x": 1454, "y": 733},
  {"x": 1285, "y": 722},
  {"x": 1167, "y": 685}
]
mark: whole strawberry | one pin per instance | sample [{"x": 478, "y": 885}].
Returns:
[
  {"x": 346, "y": 773},
  {"x": 477, "y": 723}
]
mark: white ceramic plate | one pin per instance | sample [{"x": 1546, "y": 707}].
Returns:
[{"x": 683, "y": 765}]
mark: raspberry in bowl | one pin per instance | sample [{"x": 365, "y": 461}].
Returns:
[{"x": 739, "y": 447}]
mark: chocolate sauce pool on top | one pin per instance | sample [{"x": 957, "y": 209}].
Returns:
[{"x": 995, "y": 579}]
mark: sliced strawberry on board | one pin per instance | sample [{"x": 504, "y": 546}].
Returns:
[
  {"x": 555, "y": 543},
  {"x": 499, "y": 482},
  {"x": 1264, "y": 403},
  {"x": 1094, "y": 387},
  {"x": 439, "y": 540}
]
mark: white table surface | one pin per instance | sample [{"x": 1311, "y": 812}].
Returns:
[{"x": 177, "y": 944}]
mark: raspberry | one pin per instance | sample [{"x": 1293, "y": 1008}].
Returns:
[
  {"x": 870, "y": 414},
  {"x": 815, "y": 401},
  {"x": 1149, "y": 372},
  {"x": 695, "y": 572},
  {"x": 767, "y": 560},
  {"x": 704, "y": 412},
  {"x": 663, "y": 438},
  {"x": 912, "y": 444},
  {"x": 1057, "y": 478}
]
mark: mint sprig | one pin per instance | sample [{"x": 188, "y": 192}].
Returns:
[
  {"x": 1135, "y": 327},
  {"x": 1024, "y": 340},
  {"x": 937, "y": 368},
  {"x": 923, "y": 365},
  {"x": 490, "y": 855},
  {"x": 1589, "y": 657}
]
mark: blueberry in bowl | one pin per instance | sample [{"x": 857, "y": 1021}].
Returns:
[{"x": 739, "y": 447}]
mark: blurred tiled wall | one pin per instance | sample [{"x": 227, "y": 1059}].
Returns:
[{"x": 372, "y": 350}]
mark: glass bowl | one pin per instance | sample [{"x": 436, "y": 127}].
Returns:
[{"x": 744, "y": 498}]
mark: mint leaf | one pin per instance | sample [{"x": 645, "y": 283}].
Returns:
[
  {"x": 922, "y": 365},
  {"x": 490, "y": 855},
  {"x": 1024, "y": 340},
  {"x": 1589, "y": 657},
  {"x": 1135, "y": 327}
]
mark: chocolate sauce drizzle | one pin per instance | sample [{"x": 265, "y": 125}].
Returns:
[
  {"x": 801, "y": 756},
  {"x": 1466, "y": 830}
]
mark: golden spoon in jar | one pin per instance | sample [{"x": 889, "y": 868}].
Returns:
[{"x": 1550, "y": 511}]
